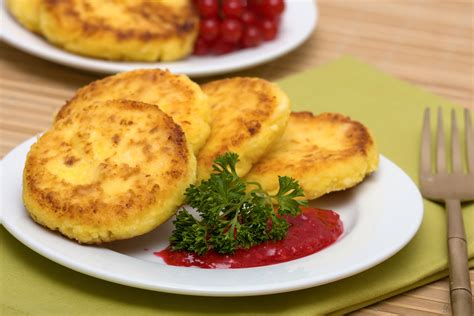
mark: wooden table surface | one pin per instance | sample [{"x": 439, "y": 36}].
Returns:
[{"x": 428, "y": 43}]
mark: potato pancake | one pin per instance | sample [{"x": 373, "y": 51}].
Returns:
[
  {"x": 327, "y": 152},
  {"x": 116, "y": 170},
  {"x": 139, "y": 30},
  {"x": 26, "y": 12},
  {"x": 176, "y": 95},
  {"x": 248, "y": 116}
]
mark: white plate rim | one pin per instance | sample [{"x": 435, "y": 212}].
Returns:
[
  {"x": 109, "y": 265},
  {"x": 298, "y": 22}
]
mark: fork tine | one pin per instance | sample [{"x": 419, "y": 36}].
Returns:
[
  {"x": 440, "y": 151},
  {"x": 456, "y": 159},
  {"x": 469, "y": 140},
  {"x": 425, "y": 149}
]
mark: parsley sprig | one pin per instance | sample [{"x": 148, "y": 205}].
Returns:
[{"x": 232, "y": 216}]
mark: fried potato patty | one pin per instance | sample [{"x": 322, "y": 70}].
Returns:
[
  {"x": 114, "y": 171},
  {"x": 26, "y": 12},
  {"x": 140, "y": 30},
  {"x": 176, "y": 95},
  {"x": 325, "y": 153},
  {"x": 248, "y": 116}
]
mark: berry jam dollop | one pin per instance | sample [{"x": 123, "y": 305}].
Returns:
[{"x": 310, "y": 231}]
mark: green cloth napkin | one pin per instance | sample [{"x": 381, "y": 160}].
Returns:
[{"x": 31, "y": 284}]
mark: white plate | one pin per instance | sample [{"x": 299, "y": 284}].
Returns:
[
  {"x": 298, "y": 22},
  {"x": 380, "y": 216}
]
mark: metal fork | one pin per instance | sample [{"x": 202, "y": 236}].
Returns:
[{"x": 451, "y": 186}]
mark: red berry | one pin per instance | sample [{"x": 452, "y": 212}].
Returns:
[
  {"x": 208, "y": 8},
  {"x": 231, "y": 30},
  {"x": 276, "y": 19},
  {"x": 269, "y": 29},
  {"x": 200, "y": 47},
  {"x": 254, "y": 4},
  {"x": 252, "y": 36},
  {"x": 271, "y": 8},
  {"x": 209, "y": 29},
  {"x": 233, "y": 8},
  {"x": 220, "y": 48},
  {"x": 248, "y": 18}
]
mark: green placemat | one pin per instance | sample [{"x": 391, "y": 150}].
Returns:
[{"x": 31, "y": 284}]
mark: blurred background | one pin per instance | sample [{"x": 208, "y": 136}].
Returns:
[{"x": 426, "y": 42}]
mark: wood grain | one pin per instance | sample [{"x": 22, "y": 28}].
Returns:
[{"x": 426, "y": 42}]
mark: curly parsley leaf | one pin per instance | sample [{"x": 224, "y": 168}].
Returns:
[
  {"x": 287, "y": 194},
  {"x": 231, "y": 216}
]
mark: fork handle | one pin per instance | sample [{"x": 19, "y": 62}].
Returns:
[{"x": 460, "y": 287}]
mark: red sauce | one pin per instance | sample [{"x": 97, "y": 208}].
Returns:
[{"x": 311, "y": 231}]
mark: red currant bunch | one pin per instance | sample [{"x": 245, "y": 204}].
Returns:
[{"x": 229, "y": 25}]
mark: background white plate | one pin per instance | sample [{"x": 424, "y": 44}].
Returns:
[
  {"x": 298, "y": 22},
  {"x": 380, "y": 216}
]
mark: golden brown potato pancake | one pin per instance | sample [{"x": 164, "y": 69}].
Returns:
[
  {"x": 176, "y": 95},
  {"x": 26, "y": 12},
  {"x": 116, "y": 170},
  {"x": 140, "y": 30},
  {"x": 326, "y": 152},
  {"x": 248, "y": 116}
]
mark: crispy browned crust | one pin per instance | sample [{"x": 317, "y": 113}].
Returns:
[
  {"x": 246, "y": 125},
  {"x": 326, "y": 152},
  {"x": 248, "y": 115},
  {"x": 357, "y": 141},
  {"x": 117, "y": 144},
  {"x": 162, "y": 22},
  {"x": 357, "y": 137},
  {"x": 98, "y": 90},
  {"x": 176, "y": 95}
]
